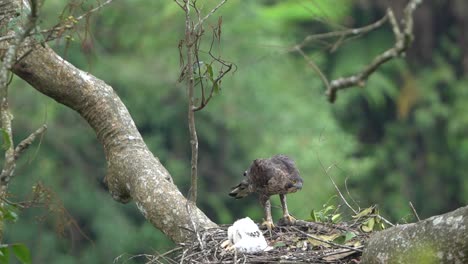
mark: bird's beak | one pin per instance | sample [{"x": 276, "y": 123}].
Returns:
[
  {"x": 298, "y": 186},
  {"x": 295, "y": 187}
]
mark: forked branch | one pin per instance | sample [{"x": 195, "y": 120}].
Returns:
[
  {"x": 403, "y": 32},
  {"x": 193, "y": 74}
]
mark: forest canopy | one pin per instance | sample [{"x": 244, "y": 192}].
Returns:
[{"x": 400, "y": 138}]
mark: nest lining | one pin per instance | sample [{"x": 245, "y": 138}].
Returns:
[{"x": 303, "y": 242}]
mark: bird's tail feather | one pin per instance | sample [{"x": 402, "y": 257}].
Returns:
[{"x": 240, "y": 191}]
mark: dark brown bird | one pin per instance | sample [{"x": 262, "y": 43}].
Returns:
[{"x": 267, "y": 177}]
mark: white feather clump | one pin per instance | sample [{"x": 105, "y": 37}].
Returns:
[{"x": 246, "y": 237}]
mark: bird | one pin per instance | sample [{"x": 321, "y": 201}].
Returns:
[
  {"x": 245, "y": 237},
  {"x": 267, "y": 177}
]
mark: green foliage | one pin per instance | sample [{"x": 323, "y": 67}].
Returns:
[
  {"x": 345, "y": 238},
  {"x": 400, "y": 138},
  {"x": 328, "y": 214},
  {"x": 20, "y": 251},
  {"x": 297, "y": 11},
  {"x": 9, "y": 212}
]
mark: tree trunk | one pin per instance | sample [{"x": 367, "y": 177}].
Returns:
[
  {"x": 133, "y": 171},
  {"x": 439, "y": 239}
]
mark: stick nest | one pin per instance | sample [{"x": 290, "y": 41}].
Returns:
[{"x": 303, "y": 242}]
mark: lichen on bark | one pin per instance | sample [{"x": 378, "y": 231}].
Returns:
[{"x": 439, "y": 239}]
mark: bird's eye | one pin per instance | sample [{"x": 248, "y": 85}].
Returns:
[{"x": 245, "y": 173}]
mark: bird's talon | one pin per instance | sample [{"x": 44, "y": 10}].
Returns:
[
  {"x": 228, "y": 245},
  {"x": 268, "y": 225},
  {"x": 287, "y": 220}
]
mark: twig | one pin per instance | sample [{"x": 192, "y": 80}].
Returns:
[
  {"x": 189, "y": 48},
  {"x": 195, "y": 228},
  {"x": 20, "y": 205},
  {"x": 23, "y": 145},
  {"x": 382, "y": 218},
  {"x": 336, "y": 187},
  {"x": 342, "y": 33},
  {"x": 60, "y": 28},
  {"x": 215, "y": 82},
  {"x": 414, "y": 211},
  {"x": 94, "y": 9},
  {"x": 403, "y": 40},
  {"x": 189, "y": 41},
  {"x": 169, "y": 252},
  {"x": 200, "y": 22},
  {"x": 350, "y": 196},
  {"x": 314, "y": 67}
]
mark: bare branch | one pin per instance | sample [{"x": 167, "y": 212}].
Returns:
[
  {"x": 342, "y": 33},
  {"x": 336, "y": 186},
  {"x": 209, "y": 14},
  {"x": 190, "y": 42},
  {"x": 414, "y": 211},
  {"x": 215, "y": 83},
  {"x": 314, "y": 67},
  {"x": 403, "y": 40},
  {"x": 189, "y": 53},
  {"x": 97, "y": 8},
  {"x": 23, "y": 145},
  {"x": 57, "y": 30},
  {"x": 179, "y": 4}
]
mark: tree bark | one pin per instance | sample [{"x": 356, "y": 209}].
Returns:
[
  {"x": 133, "y": 171},
  {"x": 439, "y": 239}
]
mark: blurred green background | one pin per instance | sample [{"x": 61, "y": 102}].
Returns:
[{"x": 402, "y": 138}]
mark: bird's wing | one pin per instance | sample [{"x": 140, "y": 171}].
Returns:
[
  {"x": 286, "y": 165},
  {"x": 260, "y": 172}
]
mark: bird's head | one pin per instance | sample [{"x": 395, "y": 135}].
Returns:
[{"x": 294, "y": 185}]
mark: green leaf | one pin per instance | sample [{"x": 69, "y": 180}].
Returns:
[
  {"x": 349, "y": 236},
  {"x": 314, "y": 242},
  {"x": 368, "y": 226},
  {"x": 340, "y": 240},
  {"x": 209, "y": 70},
  {"x": 328, "y": 209},
  {"x": 364, "y": 212},
  {"x": 6, "y": 139},
  {"x": 344, "y": 238},
  {"x": 336, "y": 218},
  {"x": 22, "y": 253},
  {"x": 313, "y": 216},
  {"x": 4, "y": 254},
  {"x": 216, "y": 87},
  {"x": 380, "y": 226},
  {"x": 9, "y": 213}
]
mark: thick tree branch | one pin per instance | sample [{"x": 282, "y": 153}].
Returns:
[
  {"x": 133, "y": 171},
  {"x": 439, "y": 239}
]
